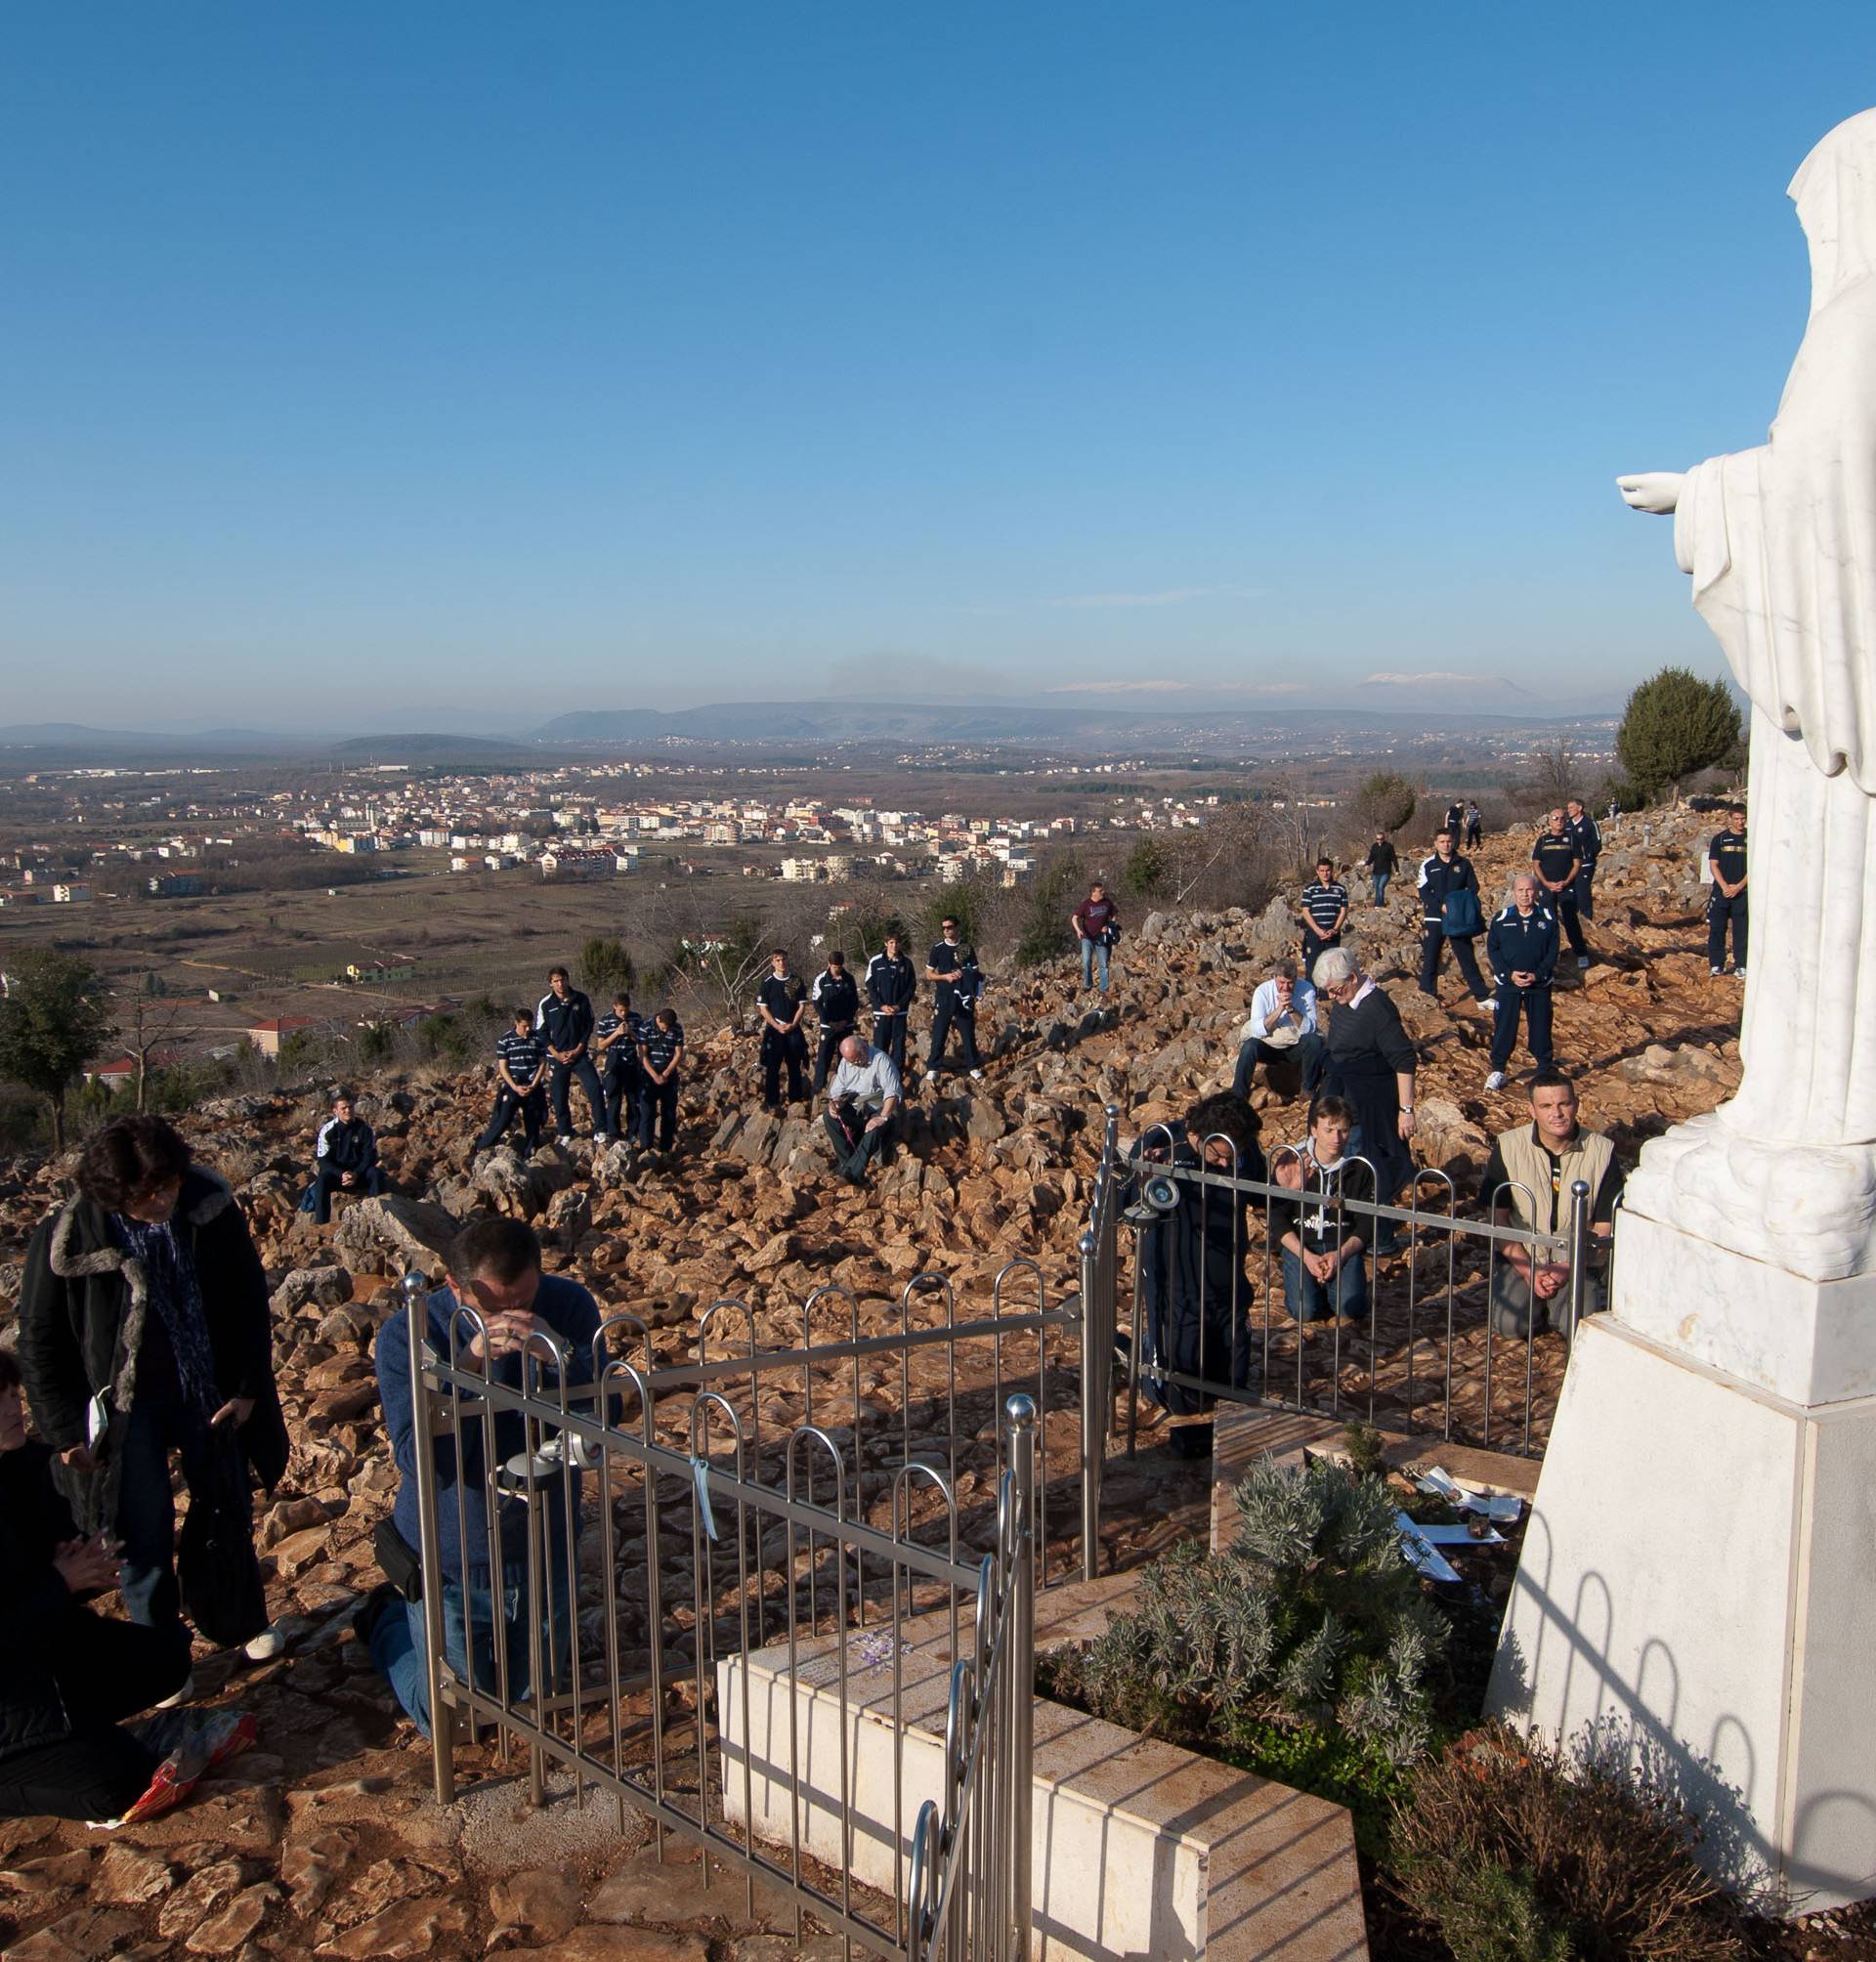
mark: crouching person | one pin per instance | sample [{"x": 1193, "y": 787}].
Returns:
[
  {"x": 1322, "y": 1243},
  {"x": 1194, "y": 1289},
  {"x": 863, "y": 1099},
  {"x": 66, "y": 1675},
  {"x": 1528, "y": 1184},
  {"x": 495, "y": 1270}
]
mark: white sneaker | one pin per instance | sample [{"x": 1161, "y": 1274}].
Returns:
[
  {"x": 1738, "y": 973},
  {"x": 265, "y": 1647},
  {"x": 1496, "y": 1081},
  {"x": 566, "y": 1139},
  {"x": 1490, "y": 1005},
  {"x": 977, "y": 1076},
  {"x": 1582, "y": 959},
  {"x": 1714, "y": 972},
  {"x": 184, "y": 1695}
]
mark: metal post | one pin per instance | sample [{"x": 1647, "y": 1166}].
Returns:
[
  {"x": 415, "y": 1290},
  {"x": 1579, "y": 1249},
  {"x": 1097, "y": 1346},
  {"x": 1022, "y": 1705}
]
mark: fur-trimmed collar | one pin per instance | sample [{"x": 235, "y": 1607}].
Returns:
[{"x": 70, "y": 1262}]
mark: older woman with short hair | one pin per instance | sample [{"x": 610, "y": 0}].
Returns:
[
  {"x": 1371, "y": 1062},
  {"x": 146, "y": 1330}
]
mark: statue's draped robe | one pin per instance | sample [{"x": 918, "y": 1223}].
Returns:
[{"x": 1781, "y": 543}]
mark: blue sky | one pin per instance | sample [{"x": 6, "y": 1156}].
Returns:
[{"x": 389, "y": 364}]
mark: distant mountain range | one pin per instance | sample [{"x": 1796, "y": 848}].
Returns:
[{"x": 1103, "y": 719}]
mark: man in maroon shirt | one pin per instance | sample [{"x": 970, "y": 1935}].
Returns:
[{"x": 1097, "y": 926}]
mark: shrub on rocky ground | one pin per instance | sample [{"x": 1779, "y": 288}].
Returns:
[
  {"x": 1309, "y": 1617},
  {"x": 1521, "y": 1851}
]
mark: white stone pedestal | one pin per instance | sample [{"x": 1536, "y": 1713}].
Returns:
[{"x": 1700, "y": 1566}]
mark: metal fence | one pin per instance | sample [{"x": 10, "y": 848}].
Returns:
[
  {"x": 1423, "y": 1349},
  {"x": 656, "y": 1522}
]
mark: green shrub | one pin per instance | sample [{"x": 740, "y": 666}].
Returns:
[
  {"x": 1597, "y": 1858},
  {"x": 1675, "y": 724},
  {"x": 1311, "y": 1616}
]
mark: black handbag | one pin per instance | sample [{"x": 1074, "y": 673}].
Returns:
[
  {"x": 217, "y": 1571},
  {"x": 396, "y": 1561}
]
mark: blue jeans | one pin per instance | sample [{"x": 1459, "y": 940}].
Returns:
[
  {"x": 1381, "y": 887},
  {"x": 1093, "y": 950},
  {"x": 1309, "y": 1299},
  {"x": 397, "y": 1641}
]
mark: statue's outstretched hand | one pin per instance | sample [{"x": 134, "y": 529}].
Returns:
[{"x": 1656, "y": 491}]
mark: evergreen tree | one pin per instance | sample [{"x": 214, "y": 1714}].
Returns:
[
  {"x": 52, "y": 1023},
  {"x": 1673, "y": 725}
]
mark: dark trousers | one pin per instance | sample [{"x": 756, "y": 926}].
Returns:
[
  {"x": 623, "y": 1083},
  {"x": 1314, "y": 943},
  {"x": 853, "y": 1156},
  {"x": 1310, "y": 1050},
  {"x": 1570, "y": 917},
  {"x": 657, "y": 1110},
  {"x": 1535, "y": 1002},
  {"x": 1586, "y": 891},
  {"x": 147, "y": 1511},
  {"x": 779, "y": 1048},
  {"x": 889, "y": 1035},
  {"x": 1433, "y": 938},
  {"x": 1474, "y": 832},
  {"x": 326, "y": 1182},
  {"x": 580, "y": 1071},
  {"x": 532, "y": 1110},
  {"x": 1721, "y": 910},
  {"x": 826, "y": 1049},
  {"x": 106, "y": 1670},
  {"x": 945, "y": 1014}
]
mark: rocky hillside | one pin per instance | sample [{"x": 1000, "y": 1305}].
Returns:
[{"x": 323, "y": 1841}]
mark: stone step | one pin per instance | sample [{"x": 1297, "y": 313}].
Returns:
[{"x": 1139, "y": 1848}]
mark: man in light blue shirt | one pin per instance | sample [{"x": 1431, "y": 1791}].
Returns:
[{"x": 1282, "y": 1023}]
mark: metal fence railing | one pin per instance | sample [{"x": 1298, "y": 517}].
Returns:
[
  {"x": 655, "y": 1523},
  {"x": 1205, "y": 1313}
]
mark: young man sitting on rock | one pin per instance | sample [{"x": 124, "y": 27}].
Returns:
[
  {"x": 345, "y": 1158},
  {"x": 1528, "y": 1184},
  {"x": 862, "y": 1100},
  {"x": 494, "y": 1270}
]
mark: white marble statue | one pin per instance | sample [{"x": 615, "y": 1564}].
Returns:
[{"x": 1781, "y": 543}]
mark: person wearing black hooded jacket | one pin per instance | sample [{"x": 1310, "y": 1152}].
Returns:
[
  {"x": 1194, "y": 1289},
  {"x": 146, "y": 1330},
  {"x": 66, "y": 1675}
]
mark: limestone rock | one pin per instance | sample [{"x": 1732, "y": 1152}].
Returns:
[{"x": 392, "y": 1233}]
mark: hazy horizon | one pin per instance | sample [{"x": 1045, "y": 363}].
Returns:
[{"x": 382, "y": 369}]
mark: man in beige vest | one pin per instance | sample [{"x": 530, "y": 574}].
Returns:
[{"x": 1528, "y": 1184}]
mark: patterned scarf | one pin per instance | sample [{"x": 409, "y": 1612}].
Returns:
[{"x": 177, "y": 1297}]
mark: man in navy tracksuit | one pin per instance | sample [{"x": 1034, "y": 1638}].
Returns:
[
  {"x": 1559, "y": 866},
  {"x": 952, "y": 970},
  {"x": 891, "y": 985},
  {"x": 1521, "y": 947},
  {"x": 344, "y": 1158},
  {"x": 1443, "y": 871},
  {"x": 780, "y": 1003},
  {"x": 616, "y": 1038},
  {"x": 1727, "y": 867},
  {"x": 836, "y": 996},
  {"x": 520, "y": 1084},
  {"x": 1325, "y": 913},
  {"x": 563, "y": 1021},
  {"x": 1588, "y": 835}
]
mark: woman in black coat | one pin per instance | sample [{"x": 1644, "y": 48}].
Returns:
[
  {"x": 144, "y": 1329},
  {"x": 1370, "y": 1060},
  {"x": 1194, "y": 1289},
  {"x": 66, "y": 1675}
]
